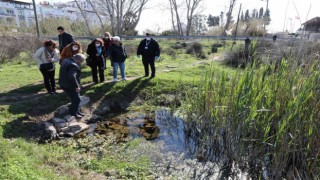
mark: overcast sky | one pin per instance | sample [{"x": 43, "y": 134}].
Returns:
[{"x": 157, "y": 16}]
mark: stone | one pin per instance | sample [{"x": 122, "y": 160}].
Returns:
[
  {"x": 65, "y": 129},
  {"x": 84, "y": 100},
  {"x": 76, "y": 127},
  {"x": 59, "y": 126},
  {"x": 69, "y": 118},
  {"x": 58, "y": 120},
  {"x": 62, "y": 111},
  {"x": 49, "y": 133}
]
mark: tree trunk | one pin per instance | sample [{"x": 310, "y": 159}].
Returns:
[
  {"x": 84, "y": 17},
  {"x": 229, "y": 16},
  {"x": 99, "y": 17},
  {"x": 172, "y": 16}
]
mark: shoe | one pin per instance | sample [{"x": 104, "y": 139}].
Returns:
[
  {"x": 52, "y": 93},
  {"x": 124, "y": 79},
  {"x": 77, "y": 116},
  {"x": 146, "y": 76},
  {"x": 153, "y": 76},
  {"x": 115, "y": 80},
  {"x": 81, "y": 114}
]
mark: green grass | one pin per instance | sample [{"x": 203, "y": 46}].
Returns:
[{"x": 21, "y": 157}]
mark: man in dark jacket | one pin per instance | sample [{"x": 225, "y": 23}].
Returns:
[
  {"x": 64, "y": 38},
  {"x": 69, "y": 81},
  {"x": 150, "y": 50}
]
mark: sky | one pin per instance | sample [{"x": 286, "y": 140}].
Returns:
[{"x": 157, "y": 15}]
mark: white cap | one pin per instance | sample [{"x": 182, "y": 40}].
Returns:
[{"x": 116, "y": 38}]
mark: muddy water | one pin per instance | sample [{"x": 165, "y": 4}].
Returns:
[{"x": 164, "y": 142}]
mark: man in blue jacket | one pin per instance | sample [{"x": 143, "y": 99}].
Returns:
[
  {"x": 150, "y": 50},
  {"x": 69, "y": 81},
  {"x": 64, "y": 38}
]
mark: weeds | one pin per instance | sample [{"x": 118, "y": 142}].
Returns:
[{"x": 265, "y": 122}]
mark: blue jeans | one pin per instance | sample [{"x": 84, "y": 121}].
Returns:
[{"x": 116, "y": 65}]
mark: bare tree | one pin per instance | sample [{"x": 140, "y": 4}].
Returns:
[
  {"x": 229, "y": 16},
  {"x": 175, "y": 8},
  {"x": 98, "y": 15},
  {"x": 172, "y": 16},
  {"x": 120, "y": 10},
  {"x": 84, "y": 17},
  {"x": 192, "y": 6}
]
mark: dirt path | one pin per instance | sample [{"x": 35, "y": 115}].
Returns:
[{"x": 16, "y": 98}]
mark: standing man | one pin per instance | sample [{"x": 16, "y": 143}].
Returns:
[
  {"x": 64, "y": 38},
  {"x": 150, "y": 50},
  {"x": 69, "y": 81}
]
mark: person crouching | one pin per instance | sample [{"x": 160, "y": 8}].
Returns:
[{"x": 69, "y": 81}]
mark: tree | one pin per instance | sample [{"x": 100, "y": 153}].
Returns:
[
  {"x": 84, "y": 17},
  {"x": 261, "y": 13},
  {"x": 192, "y": 7},
  {"x": 117, "y": 10},
  {"x": 199, "y": 24},
  {"x": 242, "y": 16},
  {"x": 247, "y": 15},
  {"x": 267, "y": 18},
  {"x": 98, "y": 15},
  {"x": 229, "y": 16},
  {"x": 221, "y": 18},
  {"x": 213, "y": 21},
  {"x": 174, "y": 8}
]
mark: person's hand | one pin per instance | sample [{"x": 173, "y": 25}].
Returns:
[
  {"x": 156, "y": 58},
  {"x": 138, "y": 56},
  {"x": 78, "y": 89}
]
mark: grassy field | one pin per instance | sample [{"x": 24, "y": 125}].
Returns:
[
  {"x": 22, "y": 157},
  {"x": 262, "y": 119}
]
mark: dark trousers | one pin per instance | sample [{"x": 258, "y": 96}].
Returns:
[
  {"x": 75, "y": 101},
  {"x": 94, "y": 71},
  {"x": 49, "y": 81},
  {"x": 146, "y": 64}
]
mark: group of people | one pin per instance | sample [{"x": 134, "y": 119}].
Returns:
[{"x": 70, "y": 57}]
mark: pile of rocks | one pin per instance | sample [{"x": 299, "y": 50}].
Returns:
[{"x": 64, "y": 125}]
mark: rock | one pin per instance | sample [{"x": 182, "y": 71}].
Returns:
[
  {"x": 70, "y": 118},
  {"x": 62, "y": 111},
  {"x": 84, "y": 100},
  {"x": 78, "y": 127},
  {"x": 58, "y": 120},
  {"x": 49, "y": 133},
  {"x": 59, "y": 126}
]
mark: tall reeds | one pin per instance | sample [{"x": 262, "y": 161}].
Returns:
[{"x": 264, "y": 120}]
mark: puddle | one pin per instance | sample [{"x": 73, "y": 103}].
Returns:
[{"x": 171, "y": 151}]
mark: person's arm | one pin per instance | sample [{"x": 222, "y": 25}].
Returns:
[
  {"x": 37, "y": 56},
  {"x": 139, "y": 50},
  {"x": 157, "y": 48},
  {"x": 70, "y": 39},
  {"x": 72, "y": 76},
  {"x": 55, "y": 56}
]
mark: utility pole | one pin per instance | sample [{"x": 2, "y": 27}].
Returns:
[
  {"x": 36, "y": 17},
  {"x": 235, "y": 34}
]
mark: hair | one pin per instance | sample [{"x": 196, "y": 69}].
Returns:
[
  {"x": 98, "y": 40},
  {"x": 76, "y": 43},
  {"x": 49, "y": 43},
  {"x": 60, "y": 28},
  {"x": 80, "y": 57}
]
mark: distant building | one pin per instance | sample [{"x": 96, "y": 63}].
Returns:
[
  {"x": 311, "y": 29},
  {"x": 17, "y": 13},
  {"x": 20, "y": 12}
]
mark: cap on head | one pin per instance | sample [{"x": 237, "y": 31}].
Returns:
[
  {"x": 60, "y": 28},
  {"x": 116, "y": 39},
  {"x": 148, "y": 34}
]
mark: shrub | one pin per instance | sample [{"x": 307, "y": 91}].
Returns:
[
  {"x": 196, "y": 49},
  {"x": 12, "y": 47}
]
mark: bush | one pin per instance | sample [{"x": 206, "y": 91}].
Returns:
[
  {"x": 179, "y": 45},
  {"x": 196, "y": 49},
  {"x": 12, "y": 47}
]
